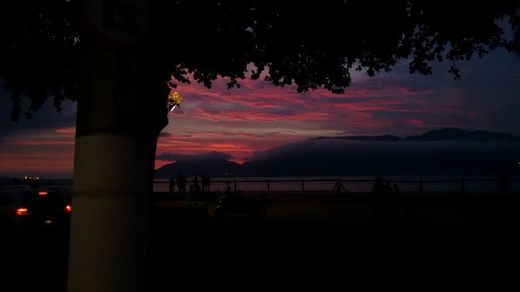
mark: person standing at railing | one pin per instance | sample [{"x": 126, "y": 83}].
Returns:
[
  {"x": 379, "y": 186},
  {"x": 172, "y": 184},
  {"x": 181, "y": 183},
  {"x": 195, "y": 187},
  {"x": 463, "y": 185},
  {"x": 205, "y": 182}
]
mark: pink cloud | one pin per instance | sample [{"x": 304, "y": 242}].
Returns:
[
  {"x": 37, "y": 163},
  {"x": 40, "y": 142},
  {"x": 257, "y": 103},
  {"x": 39, "y": 153},
  {"x": 259, "y": 116},
  {"x": 416, "y": 122}
]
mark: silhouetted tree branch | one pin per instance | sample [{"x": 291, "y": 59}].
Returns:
[{"x": 309, "y": 44}]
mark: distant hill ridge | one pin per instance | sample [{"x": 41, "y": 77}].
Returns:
[
  {"x": 446, "y": 134},
  {"x": 212, "y": 167},
  {"x": 462, "y": 152}
]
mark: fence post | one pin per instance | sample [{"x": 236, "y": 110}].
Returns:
[
  {"x": 303, "y": 185},
  {"x": 334, "y": 188},
  {"x": 235, "y": 184},
  {"x": 268, "y": 185},
  {"x": 463, "y": 185},
  {"x": 343, "y": 187},
  {"x": 420, "y": 186}
]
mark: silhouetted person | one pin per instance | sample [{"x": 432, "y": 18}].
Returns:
[
  {"x": 228, "y": 188},
  {"x": 463, "y": 185},
  {"x": 205, "y": 182},
  {"x": 172, "y": 185},
  {"x": 181, "y": 183},
  {"x": 195, "y": 187},
  {"x": 379, "y": 186}
]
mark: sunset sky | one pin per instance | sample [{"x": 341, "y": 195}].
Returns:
[{"x": 259, "y": 116}]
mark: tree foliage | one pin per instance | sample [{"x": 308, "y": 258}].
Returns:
[
  {"x": 309, "y": 44},
  {"x": 39, "y": 52}
]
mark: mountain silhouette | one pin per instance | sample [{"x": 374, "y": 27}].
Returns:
[
  {"x": 447, "y": 151},
  {"x": 210, "y": 166},
  {"x": 386, "y": 138},
  {"x": 446, "y": 134},
  {"x": 454, "y": 134}
]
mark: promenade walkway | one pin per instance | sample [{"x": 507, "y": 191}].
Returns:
[{"x": 310, "y": 241}]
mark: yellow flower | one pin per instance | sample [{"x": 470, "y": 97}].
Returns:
[{"x": 174, "y": 99}]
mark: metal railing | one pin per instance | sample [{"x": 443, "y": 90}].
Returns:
[
  {"x": 352, "y": 185},
  {"x": 341, "y": 184}
]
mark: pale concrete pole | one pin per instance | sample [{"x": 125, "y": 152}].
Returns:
[
  {"x": 109, "y": 222},
  {"x": 116, "y": 136}
]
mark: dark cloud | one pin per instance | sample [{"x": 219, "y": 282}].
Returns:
[
  {"x": 348, "y": 157},
  {"x": 194, "y": 157},
  {"x": 47, "y": 118}
]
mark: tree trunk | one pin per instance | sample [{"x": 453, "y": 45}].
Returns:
[
  {"x": 109, "y": 221},
  {"x": 119, "y": 118}
]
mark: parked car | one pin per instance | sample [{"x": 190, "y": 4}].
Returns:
[
  {"x": 233, "y": 206},
  {"x": 25, "y": 206}
]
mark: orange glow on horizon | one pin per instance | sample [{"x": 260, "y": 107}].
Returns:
[{"x": 67, "y": 131}]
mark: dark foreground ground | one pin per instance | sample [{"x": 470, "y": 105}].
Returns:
[{"x": 308, "y": 242}]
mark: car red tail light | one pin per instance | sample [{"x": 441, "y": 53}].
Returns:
[
  {"x": 68, "y": 208},
  {"x": 42, "y": 194},
  {"x": 22, "y": 212}
]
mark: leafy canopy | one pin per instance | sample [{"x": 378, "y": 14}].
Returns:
[{"x": 310, "y": 44}]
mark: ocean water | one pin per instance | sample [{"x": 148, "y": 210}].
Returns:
[{"x": 472, "y": 183}]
